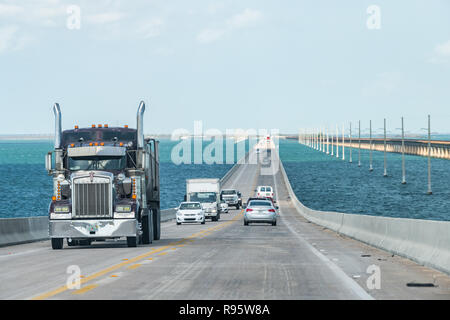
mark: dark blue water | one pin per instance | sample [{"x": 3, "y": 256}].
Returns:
[
  {"x": 26, "y": 189},
  {"x": 326, "y": 183}
]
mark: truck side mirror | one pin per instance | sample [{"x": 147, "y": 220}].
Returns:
[
  {"x": 185, "y": 198},
  {"x": 48, "y": 162}
]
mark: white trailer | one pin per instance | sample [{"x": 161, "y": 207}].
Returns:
[{"x": 207, "y": 192}]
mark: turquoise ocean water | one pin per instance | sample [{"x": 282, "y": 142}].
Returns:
[
  {"x": 326, "y": 183},
  {"x": 319, "y": 181},
  {"x": 26, "y": 189}
]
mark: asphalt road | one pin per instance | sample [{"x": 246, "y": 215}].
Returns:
[{"x": 220, "y": 260}]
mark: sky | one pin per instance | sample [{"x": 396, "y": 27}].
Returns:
[{"x": 251, "y": 64}]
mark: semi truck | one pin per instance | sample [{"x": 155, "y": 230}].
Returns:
[
  {"x": 207, "y": 192},
  {"x": 105, "y": 184}
]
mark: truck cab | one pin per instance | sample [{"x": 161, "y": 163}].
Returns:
[
  {"x": 231, "y": 197},
  {"x": 105, "y": 184},
  {"x": 207, "y": 192}
]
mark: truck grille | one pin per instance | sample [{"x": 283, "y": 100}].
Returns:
[{"x": 92, "y": 199}]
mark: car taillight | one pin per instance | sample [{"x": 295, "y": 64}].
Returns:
[
  {"x": 248, "y": 210},
  {"x": 271, "y": 210},
  {"x": 258, "y": 193}
]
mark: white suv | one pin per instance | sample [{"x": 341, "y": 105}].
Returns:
[{"x": 264, "y": 191}]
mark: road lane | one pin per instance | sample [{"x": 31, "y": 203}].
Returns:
[{"x": 219, "y": 260}]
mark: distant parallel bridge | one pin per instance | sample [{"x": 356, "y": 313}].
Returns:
[{"x": 438, "y": 148}]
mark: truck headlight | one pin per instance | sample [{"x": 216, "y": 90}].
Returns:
[
  {"x": 62, "y": 209},
  {"x": 123, "y": 208}
]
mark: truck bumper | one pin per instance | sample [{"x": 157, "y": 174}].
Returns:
[
  {"x": 110, "y": 228},
  {"x": 211, "y": 214}
]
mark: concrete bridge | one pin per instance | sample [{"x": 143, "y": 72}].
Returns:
[
  {"x": 438, "y": 149},
  {"x": 308, "y": 255}
]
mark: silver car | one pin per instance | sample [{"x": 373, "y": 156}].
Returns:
[
  {"x": 189, "y": 212},
  {"x": 260, "y": 211}
]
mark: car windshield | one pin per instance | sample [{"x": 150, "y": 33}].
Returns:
[
  {"x": 190, "y": 206},
  {"x": 259, "y": 204},
  {"x": 262, "y": 189},
  {"x": 97, "y": 163},
  {"x": 268, "y": 189},
  {"x": 228, "y": 192},
  {"x": 203, "y": 197}
]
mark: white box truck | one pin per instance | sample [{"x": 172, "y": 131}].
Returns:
[{"x": 207, "y": 192}]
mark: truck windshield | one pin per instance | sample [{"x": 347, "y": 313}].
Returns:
[
  {"x": 190, "y": 206},
  {"x": 97, "y": 163},
  {"x": 229, "y": 192},
  {"x": 203, "y": 197}
]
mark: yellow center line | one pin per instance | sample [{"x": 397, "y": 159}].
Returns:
[
  {"x": 134, "y": 266},
  {"x": 126, "y": 262},
  {"x": 99, "y": 274},
  {"x": 85, "y": 289}
]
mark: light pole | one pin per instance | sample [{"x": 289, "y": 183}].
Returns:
[
  {"x": 323, "y": 141},
  {"x": 328, "y": 143},
  {"x": 429, "y": 156},
  {"x": 359, "y": 144},
  {"x": 350, "y": 143},
  {"x": 429, "y": 191},
  {"x": 385, "y": 159},
  {"x": 385, "y": 146},
  {"x": 403, "y": 153},
  {"x": 343, "y": 143},
  {"x": 337, "y": 142},
  {"x": 370, "y": 141},
  {"x": 332, "y": 145},
  {"x": 320, "y": 140}
]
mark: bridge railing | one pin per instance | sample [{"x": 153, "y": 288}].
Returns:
[{"x": 425, "y": 241}]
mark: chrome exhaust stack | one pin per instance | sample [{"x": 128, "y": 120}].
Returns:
[
  {"x": 140, "y": 125},
  {"x": 58, "y": 130},
  {"x": 58, "y": 137}
]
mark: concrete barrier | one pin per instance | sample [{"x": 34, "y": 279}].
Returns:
[
  {"x": 23, "y": 230},
  {"x": 426, "y": 242},
  {"x": 20, "y": 230}
]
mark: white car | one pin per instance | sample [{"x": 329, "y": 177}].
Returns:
[
  {"x": 264, "y": 191},
  {"x": 223, "y": 207},
  {"x": 190, "y": 212}
]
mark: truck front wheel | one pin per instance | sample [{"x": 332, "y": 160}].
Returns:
[
  {"x": 132, "y": 242},
  {"x": 147, "y": 227},
  {"x": 156, "y": 224},
  {"x": 57, "y": 243}
]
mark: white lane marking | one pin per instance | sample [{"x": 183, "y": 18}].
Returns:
[
  {"x": 351, "y": 284},
  {"x": 15, "y": 254}
]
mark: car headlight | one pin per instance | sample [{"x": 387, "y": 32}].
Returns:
[
  {"x": 123, "y": 208},
  {"x": 62, "y": 209}
]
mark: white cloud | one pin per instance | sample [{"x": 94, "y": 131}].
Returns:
[
  {"x": 244, "y": 19},
  {"x": 104, "y": 18},
  {"x": 151, "y": 28},
  {"x": 214, "y": 8},
  {"x": 7, "y": 37},
  {"x": 10, "y": 10},
  {"x": 11, "y": 39},
  {"x": 241, "y": 20},
  {"x": 443, "y": 49},
  {"x": 441, "y": 54},
  {"x": 210, "y": 35}
]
